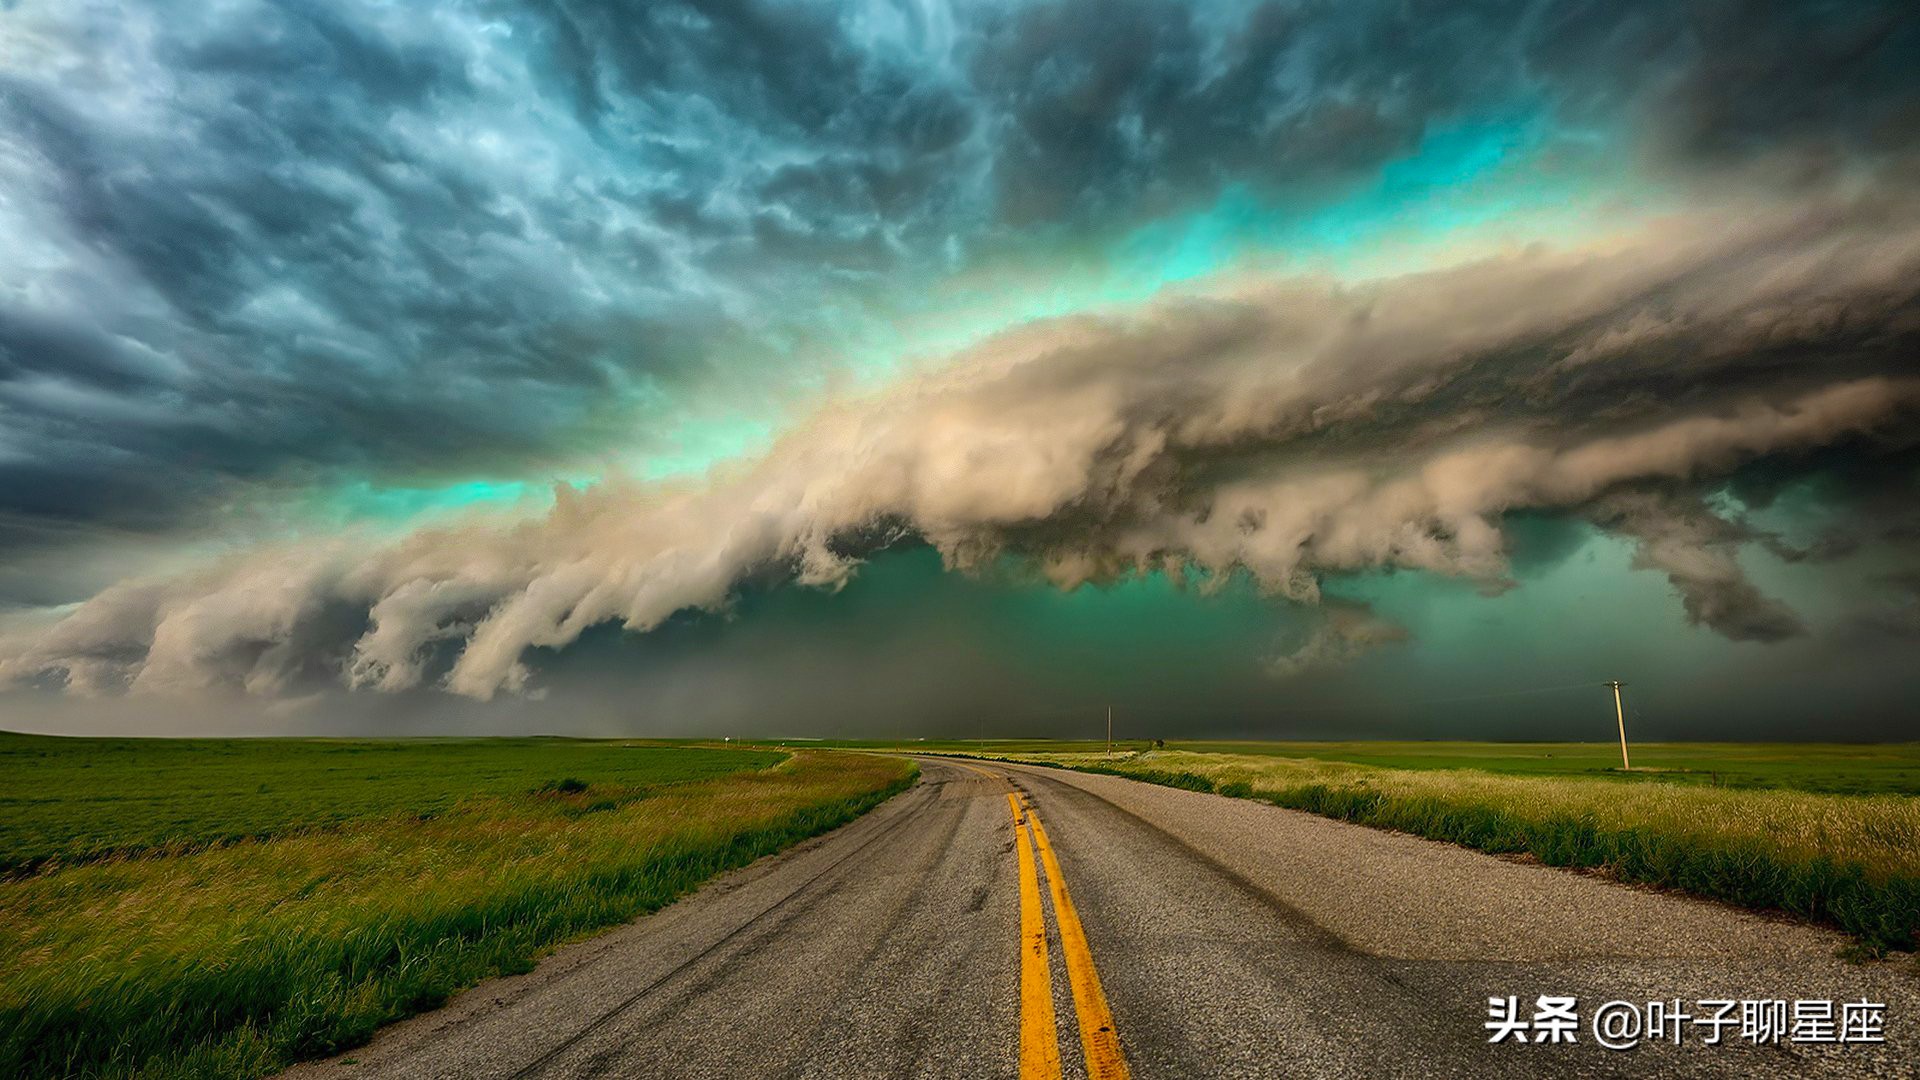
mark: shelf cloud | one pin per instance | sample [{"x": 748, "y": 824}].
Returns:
[
  {"x": 352, "y": 347},
  {"x": 1284, "y": 429}
]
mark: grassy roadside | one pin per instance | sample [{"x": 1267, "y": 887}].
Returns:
[
  {"x": 1825, "y": 768},
  {"x": 234, "y": 958},
  {"x": 1850, "y": 861}
]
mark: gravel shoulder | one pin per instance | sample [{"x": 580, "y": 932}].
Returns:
[{"x": 1233, "y": 938}]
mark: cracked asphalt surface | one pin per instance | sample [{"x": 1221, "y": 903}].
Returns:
[{"x": 1232, "y": 939}]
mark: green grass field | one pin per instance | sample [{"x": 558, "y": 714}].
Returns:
[
  {"x": 221, "y": 908},
  {"x": 1829, "y": 768},
  {"x": 1830, "y": 833},
  {"x": 71, "y": 800}
]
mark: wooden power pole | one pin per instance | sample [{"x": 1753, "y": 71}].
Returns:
[
  {"x": 1109, "y": 733},
  {"x": 1620, "y": 715}
]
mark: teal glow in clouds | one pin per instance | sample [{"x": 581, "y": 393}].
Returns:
[{"x": 346, "y": 349}]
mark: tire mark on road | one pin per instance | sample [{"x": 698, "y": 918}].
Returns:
[{"x": 539, "y": 1064}]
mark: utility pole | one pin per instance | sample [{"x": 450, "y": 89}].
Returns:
[
  {"x": 1620, "y": 714},
  {"x": 1109, "y": 733}
]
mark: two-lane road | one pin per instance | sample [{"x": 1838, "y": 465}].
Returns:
[{"x": 1001, "y": 921}]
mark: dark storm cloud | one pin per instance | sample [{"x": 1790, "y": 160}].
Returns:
[
  {"x": 1113, "y": 110},
  {"x": 1892, "y": 616},
  {"x": 1345, "y": 632},
  {"x": 1698, "y": 550},
  {"x": 1286, "y": 430},
  {"x": 279, "y": 239},
  {"x": 275, "y": 245},
  {"x": 1743, "y": 81},
  {"x": 1138, "y": 107},
  {"x": 265, "y": 243}
]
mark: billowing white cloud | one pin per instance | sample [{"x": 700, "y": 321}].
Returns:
[{"x": 1288, "y": 429}]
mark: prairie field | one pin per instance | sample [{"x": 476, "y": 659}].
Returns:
[
  {"x": 1769, "y": 833},
  {"x": 71, "y": 800},
  {"x": 221, "y": 908},
  {"x": 1828, "y": 768}
]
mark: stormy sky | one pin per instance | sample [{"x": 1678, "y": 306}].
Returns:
[{"x": 1283, "y": 369}]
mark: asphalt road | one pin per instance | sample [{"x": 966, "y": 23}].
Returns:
[{"x": 1008, "y": 921}]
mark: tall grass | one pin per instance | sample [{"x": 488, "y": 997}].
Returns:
[
  {"x": 1851, "y": 861},
  {"x": 236, "y": 960}
]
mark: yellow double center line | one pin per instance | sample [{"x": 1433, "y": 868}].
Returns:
[
  {"x": 1099, "y": 1037},
  {"x": 1039, "y": 1034},
  {"x": 1039, "y": 1031}
]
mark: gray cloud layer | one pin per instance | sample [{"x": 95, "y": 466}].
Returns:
[
  {"x": 1288, "y": 429},
  {"x": 263, "y": 244}
]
